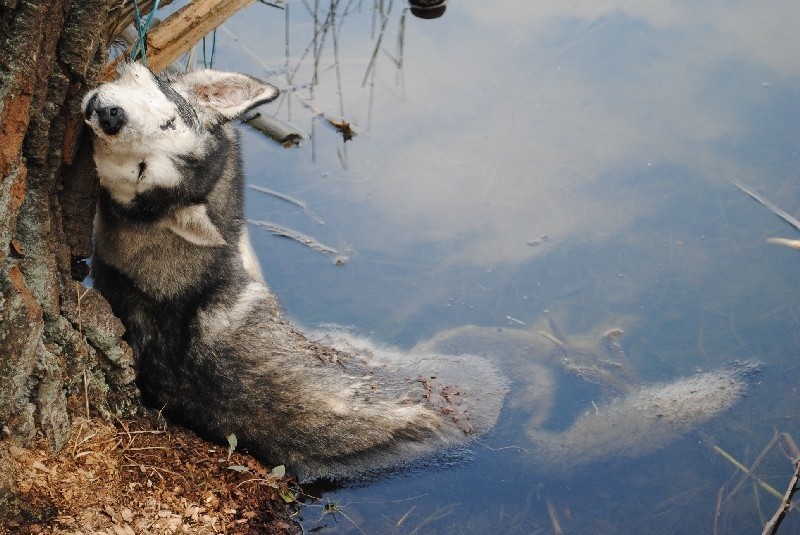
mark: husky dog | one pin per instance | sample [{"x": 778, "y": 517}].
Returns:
[{"x": 212, "y": 347}]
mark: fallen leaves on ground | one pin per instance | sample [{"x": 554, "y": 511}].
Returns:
[{"x": 134, "y": 478}]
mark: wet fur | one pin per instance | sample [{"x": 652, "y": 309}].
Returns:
[
  {"x": 639, "y": 420},
  {"x": 212, "y": 346}
]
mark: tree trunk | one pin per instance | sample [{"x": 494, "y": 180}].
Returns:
[{"x": 60, "y": 345}]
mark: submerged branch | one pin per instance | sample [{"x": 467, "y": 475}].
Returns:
[
  {"x": 291, "y": 200},
  {"x": 771, "y": 527},
  {"x": 739, "y": 466},
  {"x": 299, "y": 237},
  {"x": 772, "y": 207}
]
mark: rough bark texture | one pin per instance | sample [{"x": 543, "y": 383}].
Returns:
[{"x": 59, "y": 341}]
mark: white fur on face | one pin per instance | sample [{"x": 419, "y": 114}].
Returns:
[
  {"x": 164, "y": 120},
  {"x": 140, "y": 156}
]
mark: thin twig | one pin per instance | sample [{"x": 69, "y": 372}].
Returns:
[
  {"x": 728, "y": 457},
  {"x": 335, "y": 38},
  {"x": 440, "y": 513},
  {"x": 718, "y": 510},
  {"x": 286, "y": 58},
  {"x": 771, "y": 527},
  {"x": 371, "y": 66},
  {"x": 271, "y": 4},
  {"x": 755, "y": 464},
  {"x": 86, "y": 392},
  {"x": 405, "y": 516}
]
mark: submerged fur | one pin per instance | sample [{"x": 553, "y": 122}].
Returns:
[
  {"x": 212, "y": 346},
  {"x": 625, "y": 422}
]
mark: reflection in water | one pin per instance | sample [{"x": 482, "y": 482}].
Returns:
[
  {"x": 613, "y": 128},
  {"x": 631, "y": 420}
]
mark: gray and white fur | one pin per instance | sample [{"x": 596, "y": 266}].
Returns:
[{"x": 212, "y": 347}]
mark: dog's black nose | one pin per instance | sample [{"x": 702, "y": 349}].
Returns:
[{"x": 110, "y": 118}]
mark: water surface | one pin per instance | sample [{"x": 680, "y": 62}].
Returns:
[{"x": 513, "y": 157}]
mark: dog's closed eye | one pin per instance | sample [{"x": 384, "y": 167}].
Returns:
[{"x": 169, "y": 125}]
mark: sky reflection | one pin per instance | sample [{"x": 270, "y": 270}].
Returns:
[{"x": 510, "y": 120}]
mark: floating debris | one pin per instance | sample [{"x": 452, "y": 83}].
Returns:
[
  {"x": 515, "y": 320},
  {"x": 794, "y": 244},
  {"x": 538, "y": 241},
  {"x": 343, "y": 127}
]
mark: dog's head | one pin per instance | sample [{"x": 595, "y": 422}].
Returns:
[
  {"x": 161, "y": 144},
  {"x": 146, "y": 126},
  {"x": 141, "y": 107}
]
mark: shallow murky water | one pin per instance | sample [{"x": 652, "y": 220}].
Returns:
[{"x": 513, "y": 157}]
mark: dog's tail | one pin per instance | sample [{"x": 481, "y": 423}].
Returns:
[{"x": 644, "y": 420}]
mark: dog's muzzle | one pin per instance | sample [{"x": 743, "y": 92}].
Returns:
[{"x": 110, "y": 118}]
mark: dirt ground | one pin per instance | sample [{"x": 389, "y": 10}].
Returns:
[{"x": 140, "y": 477}]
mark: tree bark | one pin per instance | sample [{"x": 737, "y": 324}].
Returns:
[{"x": 60, "y": 346}]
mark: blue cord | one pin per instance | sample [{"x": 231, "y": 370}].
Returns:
[
  {"x": 213, "y": 47},
  {"x": 140, "y": 46}
]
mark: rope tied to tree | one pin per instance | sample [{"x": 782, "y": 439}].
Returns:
[{"x": 142, "y": 26}]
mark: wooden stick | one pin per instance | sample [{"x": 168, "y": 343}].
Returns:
[{"x": 179, "y": 32}]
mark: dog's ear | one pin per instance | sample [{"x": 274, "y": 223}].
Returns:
[
  {"x": 229, "y": 94},
  {"x": 193, "y": 225}
]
